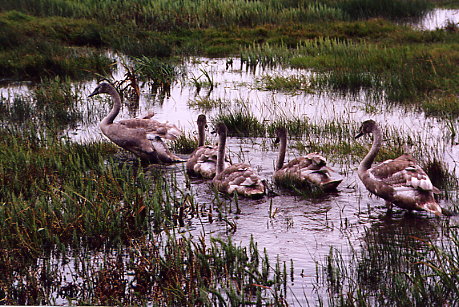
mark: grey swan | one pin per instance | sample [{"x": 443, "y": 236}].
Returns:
[
  {"x": 401, "y": 181},
  {"x": 237, "y": 178},
  {"x": 203, "y": 160},
  {"x": 301, "y": 171},
  {"x": 149, "y": 148}
]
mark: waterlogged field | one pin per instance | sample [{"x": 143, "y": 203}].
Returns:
[
  {"x": 319, "y": 243},
  {"x": 83, "y": 222}
]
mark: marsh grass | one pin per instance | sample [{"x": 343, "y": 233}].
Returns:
[
  {"x": 400, "y": 263},
  {"x": 161, "y": 74},
  {"x": 61, "y": 192},
  {"x": 152, "y": 270},
  {"x": 24, "y": 56},
  {"x": 439, "y": 175},
  {"x": 56, "y": 102},
  {"x": 399, "y": 73},
  {"x": 241, "y": 123}
]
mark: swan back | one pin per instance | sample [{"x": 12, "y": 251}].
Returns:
[
  {"x": 238, "y": 178},
  {"x": 303, "y": 170},
  {"x": 164, "y": 130},
  {"x": 203, "y": 160},
  {"x": 400, "y": 181}
]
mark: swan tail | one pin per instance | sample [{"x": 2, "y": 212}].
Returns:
[
  {"x": 331, "y": 185},
  {"x": 432, "y": 207}
]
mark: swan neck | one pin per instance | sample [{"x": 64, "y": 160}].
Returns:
[
  {"x": 201, "y": 135},
  {"x": 282, "y": 150},
  {"x": 221, "y": 153},
  {"x": 369, "y": 158},
  {"x": 115, "y": 108}
]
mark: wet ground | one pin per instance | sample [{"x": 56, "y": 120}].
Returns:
[{"x": 288, "y": 226}]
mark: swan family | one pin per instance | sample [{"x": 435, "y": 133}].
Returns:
[{"x": 400, "y": 182}]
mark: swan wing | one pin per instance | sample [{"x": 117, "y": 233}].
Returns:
[{"x": 403, "y": 171}]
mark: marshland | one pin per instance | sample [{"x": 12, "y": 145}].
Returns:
[{"x": 85, "y": 222}]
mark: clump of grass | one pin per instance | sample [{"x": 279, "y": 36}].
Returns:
[
  {"x": 184, "y": 144},
  {"x": 206, "y": 103},
  {"x": 399, "y": 74},
  {"x": 444, "y": 106},
  {"x": 161, "y": 74},
  {"x": 439, "y": 175},
  {"x": 241, "y": 123},
  {"x": 18, "y": 111},
  {"x": 289, "y": 84},
  {"x": 73, "y": 194},
  {"x": 207, "y": 83},
  {"x": 302, "y": 188},
  {"x": 165, "y": 269}
]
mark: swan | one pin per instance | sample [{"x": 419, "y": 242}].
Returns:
[
  {"x": 203, "y": 160},
  {"x": 401, "y": 181},
  {"x": 149, "y": 148},
  {"x": 310, "y": 169},
  {"x": 164, "y": 130},
  {"x": 240, "y": 177}
]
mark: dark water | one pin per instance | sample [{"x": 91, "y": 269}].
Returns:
[{"x": 292, "y": 228}]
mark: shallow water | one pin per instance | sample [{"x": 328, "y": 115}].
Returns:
[
  {"x": 303, "y": 230},
  {"x": 438, "y": 19}
]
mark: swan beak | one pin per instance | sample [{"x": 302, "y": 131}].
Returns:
[
  {"x": 277, "y": 140},
  {"x": 359, "y": 135},
  {"x": 96, "y": 91}
]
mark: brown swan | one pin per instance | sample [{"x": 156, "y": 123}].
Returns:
[
  {"x": 149, "y": 148},
  {"x": 237, "y": 178},
  {"x": 303, "y": 170},
  {"x": 401, "y": 181},
  {"x": 203, "y": 160}
]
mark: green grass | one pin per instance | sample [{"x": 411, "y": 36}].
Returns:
[
  {"x": 287, "y": 84},
  {"x": 71, "y": 198},
  {"x": 408, "y": 74}
]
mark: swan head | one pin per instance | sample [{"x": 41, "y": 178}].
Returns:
[
  {"x": 202, "y": 121},
  {"x": 221, "y": 129},
  {"x": 104, "y": 87},
  {"x": 367, "y": 127}
]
